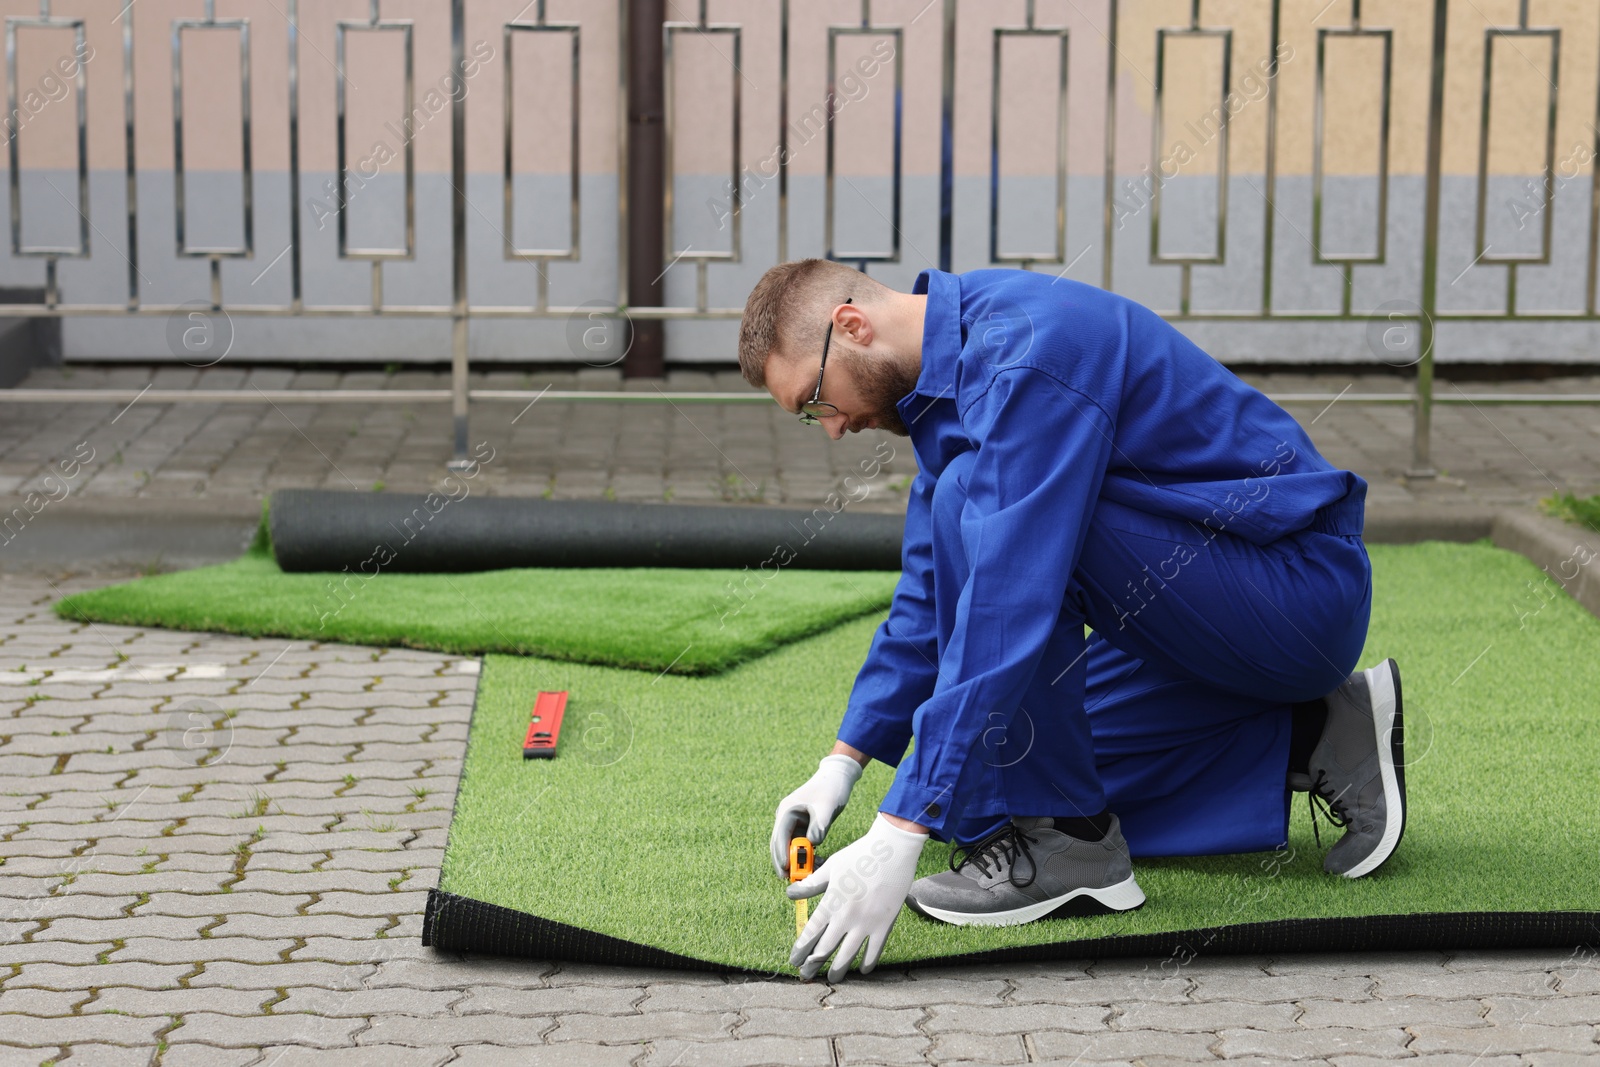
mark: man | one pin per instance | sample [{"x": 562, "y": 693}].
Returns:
[{"x": 1081, "y": 464}]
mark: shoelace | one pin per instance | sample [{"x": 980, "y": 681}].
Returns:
[
  {"x": 1322, "y": 791},
  {"x": 1008, "y": 842}
]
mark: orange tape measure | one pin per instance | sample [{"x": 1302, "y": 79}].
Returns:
[{"x": 801, "y": 857}]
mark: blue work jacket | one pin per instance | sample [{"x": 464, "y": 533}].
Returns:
[{"x": 1068, "y": 393}]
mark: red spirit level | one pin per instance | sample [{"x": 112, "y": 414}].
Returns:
[{"x": 545, "y": 729}]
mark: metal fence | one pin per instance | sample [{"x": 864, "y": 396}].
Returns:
[{"x": 1416, "y": 315}]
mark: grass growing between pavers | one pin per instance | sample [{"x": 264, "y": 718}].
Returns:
[
  {"x": 1585, "y": 511},
  {"x": 652, "y": 823},
  {"x": 655, "y": 619}
]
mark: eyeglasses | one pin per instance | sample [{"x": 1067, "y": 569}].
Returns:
[{"x": 816, "y": 408}]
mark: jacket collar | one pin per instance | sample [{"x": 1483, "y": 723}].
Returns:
[{"x": 941, "y": 333}]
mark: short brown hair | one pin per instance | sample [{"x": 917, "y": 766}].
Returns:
[{"x": 787, "y": 310}]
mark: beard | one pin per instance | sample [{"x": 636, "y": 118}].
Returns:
[{"x": 882, "y": 382}]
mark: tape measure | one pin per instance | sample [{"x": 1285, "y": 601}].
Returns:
[{"x": 800, "y": 866}]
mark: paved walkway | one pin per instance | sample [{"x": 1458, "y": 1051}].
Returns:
[
  {"x": 216, "y": 849},
  {"x": 697, "y": 453}
]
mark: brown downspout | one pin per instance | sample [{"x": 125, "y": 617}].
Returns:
[{"x": 646, "y": 356}]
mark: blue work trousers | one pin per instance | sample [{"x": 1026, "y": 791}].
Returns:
[{"x": 1175, "y": 712}]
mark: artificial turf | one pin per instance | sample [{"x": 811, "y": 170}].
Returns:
[
  {"x": 652, "y": 619},
  {"x": 652, "y": 823}
]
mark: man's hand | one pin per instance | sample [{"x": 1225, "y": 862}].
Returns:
[
  {"x": 813, "y": 806},
  {"x": 866, "y": 883}
]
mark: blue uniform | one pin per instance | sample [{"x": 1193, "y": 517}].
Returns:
[{"x": 1083, "y": 464}]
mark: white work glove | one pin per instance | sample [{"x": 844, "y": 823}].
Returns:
[
  {"x": 817, "y": 804},
  {"x": 866, "y": 882}
]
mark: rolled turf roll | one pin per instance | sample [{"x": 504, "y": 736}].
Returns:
[{"x": 331, "y": 530}]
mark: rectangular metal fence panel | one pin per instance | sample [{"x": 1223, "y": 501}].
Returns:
[{"x": 1265, "y": 175}]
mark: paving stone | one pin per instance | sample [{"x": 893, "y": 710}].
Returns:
[
  {"x": 1206, "y": 1017},
  {"x": 232, "y": 1031},
  {"x": 186, "y": 1054},
  {"x": 372, "y": 1056},
  {"x": 452, "y": 1030},
  {"x": 791, "y": 1022},
  {"x": 506, "y": 1001},
  {"x": 1114, "y": 1045},
  {"x": 1404, "y": 1011},
  {"x": 354, "y": 927},
  {"x": 570, "y": 1055},
  {"x": 565, "y": 973},
  {"x": 1321, "y": 1042},
  {"x": 1466, "y": 984},
  {"x": 37, "y": 951},
  {"x": 17, "y": 1000},
  {"x": 61, "y": 976},
  {"x": 97, "y": 1055},
  {"x": 1558, "y": 1059},
  {"x": 74, "y": 1029},
  {"x": 983, "y": 1048},
  {"x": 1579, "y": 979},
  {"x": 1043, "y": 989},
  {"x": 282, "y": 975},
  {"x": 1266, "y": 989},
  {"x": 166, "y": 1002},
  {"x": 367, "y": 1002},
  {"x": 683, "y": 1024},
  {"x": 1011, "y": 1020},
  {"x": 748, "y": 1052},
  {"x": 1438, "y": 1059},
  {"x": 1505, "y": 1037},
  {"x": 441, "y": 971},
  {"x": 1393, "y": 964},
  {"x": 274, "y": 904},
  {"x": 212, "y": 949},
  {"x": 1502, "y": 959},
  {"x": 887, "y": 993}
]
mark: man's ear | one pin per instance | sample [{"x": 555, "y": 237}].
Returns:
[{"x": 851, "y": 321}]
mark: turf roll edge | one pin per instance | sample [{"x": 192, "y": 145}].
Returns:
[
  {"x": 454, "y": 923},
  {"x": 334, "y": 530}
]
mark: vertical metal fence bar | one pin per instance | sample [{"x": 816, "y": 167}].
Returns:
[
  {"x": 458, "y": 237},
  {"x": 1270, "y": 179},
  {"x": 947, "y": 126},
  {"x": 15, "y": 134},
  {"x": 1594, "y": 209},
  {"x": 1110, "y": 190},
  {"x": 83, "y": 140},
  {"x": 130, "y": 160},
  {"x": 624, "y": 207},
  {"x": 1422, "y": 409},
  {"x": 296, "y": 297},
  {"x": 783, "y": 132},
  {"x": 177, "y": 132}
]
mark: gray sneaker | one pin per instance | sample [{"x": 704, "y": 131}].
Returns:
[
  {"x": 1358, "y": 771},
  {"x": 1027, "y": 870}
]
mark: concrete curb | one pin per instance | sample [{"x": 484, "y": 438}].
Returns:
[
  {"x": 37, "y": 533},
  {"x": 1569, "y": 554},
  {"x": 1389, "y": 524}
]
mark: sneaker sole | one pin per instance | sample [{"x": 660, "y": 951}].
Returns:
[
  {"x": 1124, "y": 896},
  {"x": 1388, "y": 720}
]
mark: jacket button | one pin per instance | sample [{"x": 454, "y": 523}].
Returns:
[{"x": 932, "y": 811}]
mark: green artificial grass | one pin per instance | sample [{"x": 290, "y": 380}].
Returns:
[
  {"x": 652, "y": 823},
  {"x": 654, "y": 619},
  {"x": 1585, "y": 511}
]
